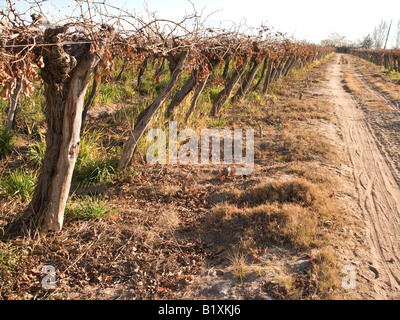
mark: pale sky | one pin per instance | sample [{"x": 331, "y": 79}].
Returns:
[{"x": 310, "y": 20}]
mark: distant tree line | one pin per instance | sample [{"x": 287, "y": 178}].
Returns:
[{"x": 385, "y": 35}]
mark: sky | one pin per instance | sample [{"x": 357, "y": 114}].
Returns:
[{"x": 309, "y": 20}]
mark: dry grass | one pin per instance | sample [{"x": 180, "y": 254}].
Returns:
[
  {"x": 302, "y": 144},
  {"x": 168, "y": 190},
  {"x": 238, "y": 262},
  {"x": 307, "y": 109},
  {"x": 253, "y": 229},
  {"x": 297, "y": 191},
  {"x": 228, "y": 194},
  {"x": 290, "y": 214},
  {"x": 343, "y": 60},
  {"x": 297, "y": 110},
  {"x": 326, "y": 271},
  {"x": 289, "y": 143},
  {"x": 350, "y": 82},
  {"x": 285, "y": 213}
]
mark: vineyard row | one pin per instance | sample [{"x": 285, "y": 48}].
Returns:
[
  {"x": 389, "y": 59},
  {"x": 67, "y": 57}
]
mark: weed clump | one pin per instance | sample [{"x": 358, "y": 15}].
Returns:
[
  {"x": 35, "y": 154},
  {"x": 89, "y": 208},
  {"x": 92, "y": 165},
  {"x": 6, "y": 142},
  {"x": 18, "y": 184},
  {"x": 264, "y": 225},
  {"x": 298, "y": 191}
]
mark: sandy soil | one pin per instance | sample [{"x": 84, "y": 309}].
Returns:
[{"x": 370, "y": 140}]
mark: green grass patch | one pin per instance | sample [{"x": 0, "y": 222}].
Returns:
[
  {"x": 99, "y": 170},
  {"x": 18, "y": 184},
  {"x": 94, "y": 164},
  {"x": 218, "y": 123},
  {"x": 32, "y": 113},
  {"x": 213, "y": 93},
  {"x": 6, "y": 142},
  {"x": 255, "y": 98},
  {"x": 88, "y": 208},
  {"x": 393, "y": 75},
  {"x": 35, "y": 153},
  {"x": 90, "y": 147},
  {"x": 109, "y": 93}
]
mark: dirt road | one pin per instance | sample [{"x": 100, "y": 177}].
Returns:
[{"x": 371, "y": 151}]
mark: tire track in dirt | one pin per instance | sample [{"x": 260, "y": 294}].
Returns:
[
  {"x": 377, "y": 190},
  {"x": 393, "y": 104}
]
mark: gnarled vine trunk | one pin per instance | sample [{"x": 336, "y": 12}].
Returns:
[
  {"x": 66, "y": 76},
  {"x": 226, "y": 68},
  {"x": 141, "y": 72}
]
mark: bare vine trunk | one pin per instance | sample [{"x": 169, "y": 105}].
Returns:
[
  {"x": 223, "y": 96},
  {"x": 160, "y": 68},
  {"x": 289, "y": 66},
  {"x": 248, "y": 81},
  {"x": 262, "y": 73},
  {"x": 197, "y": 93},
  {"x": 66, "y": 76},
  {"x": 268, "y": 76},
  {"x": 182, "y": 93},
  {"x": 226, "y": 68},
  {"x": 141, "y": 72},
  {"x": 14, "y": 101},
  {"x": 91, "y": 97},
  {"x": 146, "y": 116},
  {"x": 280, "y": 67},
  {"x": 124, "y": 65}
]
